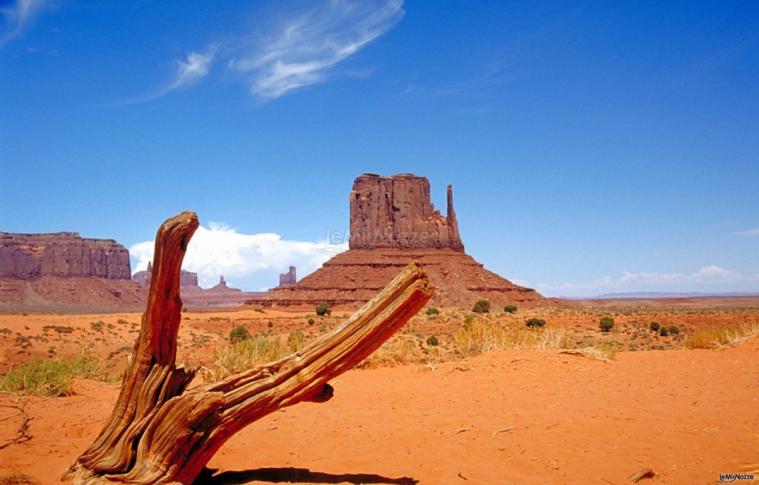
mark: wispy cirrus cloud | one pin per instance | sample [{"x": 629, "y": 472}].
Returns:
[
  {"x": 304, "y": 50},
  {"x": 301, "y": 51},
  {"x": 16, "y": 15},
  {"x": 707, "y": 278},
  {"x": 250, "y": 261},
  {"x": 187, "y": 71}
]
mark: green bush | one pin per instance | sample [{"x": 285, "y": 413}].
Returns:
[
  {"x": 606, "y": 324},
  {"x": 535, "y": 323},
  {"x": 323, "y": 309},
  {"x": 654, "y": 326},
  {"x": 239, "y": 333},
  {"x": 432, "y": 311},
  {"x": 510, "y": 308},
  {"x": 674, "y": 330},
  {"x": 664, "y": 331},
  {"x": 482, "y": 306},
  {"x": 433, "y": 341}
]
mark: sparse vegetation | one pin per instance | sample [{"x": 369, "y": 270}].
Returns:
[
  {"x": 311, "y": 321},
  {"x": 16, "y": 479},
  {"x": 51, "y": 377},
  {"x": 432, "y": 311},
  {"x": 606, "y": 324},
  {"x": 433, "y": 341},
  {"x": 323, "y": 309},
  {"x": 714, "y": 337},
  {"x": 481, "y": 306},
  {"x": 295, "y": 341},
  {"x": 535, "y": 323},
  {"x": 240, "y": 332},
  {"x": 510, "y": 308},
  {"x": 244, "y": 354},
  {"x": 484, "y": 336},
  {"x": 97, "y": 326},
  {"x": 674, "y": 330},
  {"x": 654, "y": 326}
]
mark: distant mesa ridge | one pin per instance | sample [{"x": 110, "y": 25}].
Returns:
[
  {"x": 392, "y": 223},
  {"x": 64, "y": 254}
]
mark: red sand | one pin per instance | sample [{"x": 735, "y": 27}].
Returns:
[{"x": 687, "y": 414}]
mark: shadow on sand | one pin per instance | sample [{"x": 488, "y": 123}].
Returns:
[{"x": 285, "y": 475}]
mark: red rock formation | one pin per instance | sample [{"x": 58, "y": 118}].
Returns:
[
  {"x": 187, "y": 279},
  {"x": 396, "y": 212},
  {"x": 63, "y": 254},
  {"x": 289, "y": 278},
  {"x": 392, "y": 223}
]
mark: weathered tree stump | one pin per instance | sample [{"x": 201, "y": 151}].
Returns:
[{"x": 160, "y": 432}]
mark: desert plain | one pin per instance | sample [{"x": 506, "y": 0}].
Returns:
[{"x": 487, "y": 400}]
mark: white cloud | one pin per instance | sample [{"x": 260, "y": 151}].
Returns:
[
  {"x": 193, "y": 67},
  {"x": 708, "y": 278},
  {"x": 219, "y": 250},
  {"x": 298, "y": 52},
  {"x": 749, "y": 232},
  {"x": 16, "y": 15},
  {"x": 304, "y": 49}
]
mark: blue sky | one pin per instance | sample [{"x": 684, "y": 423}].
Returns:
[{"x": 593, "y": 147}]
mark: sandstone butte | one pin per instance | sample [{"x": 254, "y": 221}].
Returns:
[
  {"x": 45, "y": 271},
  {"x": 393, "y": 222}
]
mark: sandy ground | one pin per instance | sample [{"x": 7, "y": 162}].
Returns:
[{"x": 507, "y": 417}]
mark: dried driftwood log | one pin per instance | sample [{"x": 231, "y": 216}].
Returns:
[{"x": 159, "y": 432}]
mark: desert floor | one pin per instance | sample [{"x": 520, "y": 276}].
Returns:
[{"x": 512, "y": 416}]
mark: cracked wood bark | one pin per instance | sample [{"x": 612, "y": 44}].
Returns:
[{"x": 160, "y": 432}]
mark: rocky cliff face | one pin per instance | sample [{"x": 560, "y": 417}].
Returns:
[
  {"x": 396, "y": 212},
  {"x": 62, "y": 254}
]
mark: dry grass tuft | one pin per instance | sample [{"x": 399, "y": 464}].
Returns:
[
  {"x": 479, "y": 336},
  {"x": 52, "y": 377},
  {"x": 254, "y": 350},
  {"x": 16, "y": 479},
  {"x": 714, "y": 337},
  {"x": 399, "y": 350}
]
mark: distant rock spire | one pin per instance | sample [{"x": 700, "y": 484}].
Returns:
[{"x": 453, "y": 224}]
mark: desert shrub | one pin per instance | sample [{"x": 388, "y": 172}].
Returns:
[
  {"x": 97, "y": 326},
  {"x": 535, "y": 323},
  {"x": 482, "y": 306},
  {"x": 433, "y": 341},
  {"x": 311, "y": 321},
  {"x": 431, "y": 311},
  {"x": 240, "y": 332},
  {"x": 664, "y": 332},
  {"x": 674, "y": 330},
  {"x": 654, "y": 326},
  {"x": 606, "y": 324},
  {"x": 270, "y": 324},
  {"x": 296, "y": 340},
  {"x": 51, "y": 377},
  {"x": 323, "y": 309},
  {"x": 122, "y": 321},
  {"x": 468, "y": 319},
  {"x": 510, "y": 308}
]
